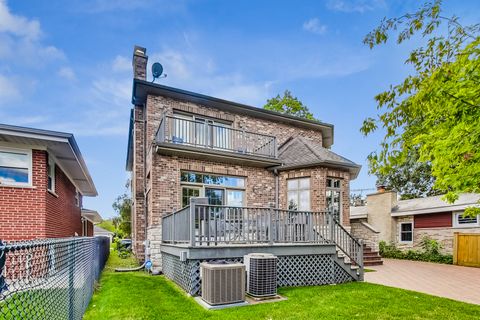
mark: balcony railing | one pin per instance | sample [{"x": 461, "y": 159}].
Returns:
[
  {"x": 216, "y": 137},
  {"x": 206, "y": 225}
]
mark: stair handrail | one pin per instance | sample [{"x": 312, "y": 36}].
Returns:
[{"x": 348, "y": 244}]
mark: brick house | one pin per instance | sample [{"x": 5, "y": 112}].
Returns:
[
  {"x": 184, "y": 144},
  {"x": 43, "y": 179},
  {"x": 406, "y": 222}
]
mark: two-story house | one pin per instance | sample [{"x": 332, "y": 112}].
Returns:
[
  {"x": 184, "y": 144},
  {"x": 43, "y": 179}
]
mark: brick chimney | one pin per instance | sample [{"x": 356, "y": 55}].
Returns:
[
  {"x": 139, "y": 63},
  {"x": 379, "y": 208}
]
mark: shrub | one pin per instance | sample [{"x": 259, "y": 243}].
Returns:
[{"x": 430, "y": 252}]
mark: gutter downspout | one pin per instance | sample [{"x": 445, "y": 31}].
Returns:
[
  {"x": 275, "y": 172},
  {"x": 145, "y": 204}
]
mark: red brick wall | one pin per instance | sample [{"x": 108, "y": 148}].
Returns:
[
  {"x": 22, "y": 210},
  {"x": 33, "y": 212},
  {"x": 62, "y": 215}
]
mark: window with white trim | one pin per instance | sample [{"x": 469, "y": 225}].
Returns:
[
  {"x": 461, "y": 221},
  {"x": 51, "y": 174},
  {"x": 333, "y": 196},
  {"x": 298, "y": 194},
  {"x": 77, "y": 198},
  {"x": 406, "y": 232},
  {"x": 15, "y": 167}
]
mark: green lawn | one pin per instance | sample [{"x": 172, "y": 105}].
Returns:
[{"x": 136, "y": 295}]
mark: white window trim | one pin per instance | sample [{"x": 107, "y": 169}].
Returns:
[
  {"x": 456, "y": 225},
  {"x": 77, "y": 198},
  {"x": 339, "y": 189},
  {"x": 51, "y": 164},
  {"x": 297, "y": 190},
  {"x": 30, "y": 173},
  {"x": 400, "y": 233}
]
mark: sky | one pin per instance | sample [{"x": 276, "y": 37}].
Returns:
[{"x": 66, "y": 65}]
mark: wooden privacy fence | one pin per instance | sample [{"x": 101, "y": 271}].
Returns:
[{"x": 466, "y": 249}]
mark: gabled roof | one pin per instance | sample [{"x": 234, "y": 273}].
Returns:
[
  {"x": 434, "y": 204},
  {"x": 63, "y": 147},
  {"x": 91, "y": 215},
  {"x": 300, "y": 152}
]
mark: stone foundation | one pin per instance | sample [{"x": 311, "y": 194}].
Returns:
[
  {"x": 154, "y": 236},
  {"x": 360, "y": 229}
]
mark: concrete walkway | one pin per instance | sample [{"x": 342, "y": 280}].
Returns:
[{"x": 454, "y": 282}]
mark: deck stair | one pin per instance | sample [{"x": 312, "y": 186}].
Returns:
[{"x": 370, "y": 257}]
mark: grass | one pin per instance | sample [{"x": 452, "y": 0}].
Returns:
[{"x": 136, "y": 295}]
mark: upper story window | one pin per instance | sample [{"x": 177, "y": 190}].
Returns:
[
  {"x": 15, "y": 167},
  {"x": 461, "y": 221},
  {"x": 200, "y": 131},
  {"x": 334, "y": 197},
  {"x": 77, "y": 198},
  {"x": 51, "y": 174},
  {"x": 298, "y": 194}
]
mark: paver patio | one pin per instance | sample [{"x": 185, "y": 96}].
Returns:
[{"x": 454, "y": 282}]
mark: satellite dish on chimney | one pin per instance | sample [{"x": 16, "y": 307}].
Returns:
[{"x": 157, "y": 71}]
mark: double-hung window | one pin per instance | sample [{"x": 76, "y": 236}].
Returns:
[
  {"x": 15, "y": 167},
  {"x": 298, "y": 194},
  {"x": 406, "y": 232}
]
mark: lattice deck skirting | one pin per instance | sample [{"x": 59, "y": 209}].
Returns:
[{"x": 301, "y": 270}]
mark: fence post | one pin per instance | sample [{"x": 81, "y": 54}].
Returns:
[
  {"x": 71, "y": 282},
  {"x": 3, "y": 259}
]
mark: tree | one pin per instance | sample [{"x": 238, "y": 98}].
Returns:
[
  {"x": 123, "y": 206},
  {"x": 290, "y": 105},
  {"x": 435, "y": 110},
  {"x": 411, "y": 179}
]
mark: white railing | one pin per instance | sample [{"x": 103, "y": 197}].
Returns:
[{"x": 215, "y": 136}]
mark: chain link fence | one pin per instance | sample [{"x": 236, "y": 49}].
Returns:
[{"x": 51, "y": 278}]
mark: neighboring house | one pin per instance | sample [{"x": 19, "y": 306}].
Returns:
[
  {"x": 406, "y": 222},
  {"x": 43, "y": 179},
  {"x": 100, "y": 232}
]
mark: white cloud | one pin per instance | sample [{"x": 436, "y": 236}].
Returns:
[
  {"x": 67, "y": 73},
  {"x": 8, "y": 89},
  {"x": 194, "y": 71},
  {"x": 17, "y": 25},
  {"x": 313, "y": 25},
  {"x": 121, "y": 64},
  {"x": 355, "y": 5},
  {"x": 21, "y": 40}
]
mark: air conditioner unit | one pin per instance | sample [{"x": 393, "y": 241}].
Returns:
[
  {"x": 261, "y": 274},
  {"x": 222, "y": 282}
]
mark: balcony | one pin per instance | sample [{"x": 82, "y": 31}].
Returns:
[{"x": 214, "y": 141}]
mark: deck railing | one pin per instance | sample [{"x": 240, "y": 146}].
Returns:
[
  {"x": 201, "y": 224},
  {"x": 216, "y": 137}
]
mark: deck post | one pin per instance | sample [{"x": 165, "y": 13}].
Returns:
[
  {"x": 193, "y": 202},
  {"x": 331, "y": 226},
  {"x": 270, "y": 226}
]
